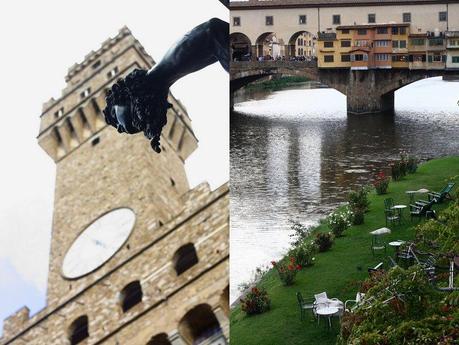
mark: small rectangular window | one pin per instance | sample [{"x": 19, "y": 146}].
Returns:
[
  {"x": 361, "y": 32},
  {"x": 394, "y": 30},
  {"x": 381, "y": 31},
  {"x": 269, "y": 20},
  {"x": 328, "y": 58},
  {"x": 96, "y": 64},
  {"x": 302, "y": 19},
  {"x": 403, "y": 44},
  {"x": 328, "y": 44},
  {"x": 371, "y": 18},
  {"x": 112, "y": 73},
  {"x": 345, "y": 31},
  {"x": 59, "y": 113},
  {"x": 407, "y": 17},
  {"x": 345, "y": 44},
  {"x": 236, "y": 21},
  {"x": 455, "y": 59},
  {"x": 395, "y": 44},
  {"x": 85, "y": 93},
  {"x": 345, "y": 58},
  {"x": 402, "y": 30},
  {"x": 442, "y": 16},
  {"x": 336, "y": 19}
]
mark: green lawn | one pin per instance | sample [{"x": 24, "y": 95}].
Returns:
[{"x": 337, "y": 271}]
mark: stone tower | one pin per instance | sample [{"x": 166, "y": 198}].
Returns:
[{"x": 137, "y": 257}]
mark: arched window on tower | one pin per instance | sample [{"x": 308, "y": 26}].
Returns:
[
  {"x": 200, "y": 326},
  {"x": 131, "y": 295},
  {"x": 159, "y": 339},
  {"x": 184, "y": 258},
  {"x": 78, "y": 330}
]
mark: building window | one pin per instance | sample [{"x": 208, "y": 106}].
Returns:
[
  {"x": 417, "y": 42},
  {"x": 361, "y": 43},
  {"x": 382, "y": 57},
  {"x": 371, "y": 18},
  {"x": 402, "y": 30},
  {"x": 336, "y": 19},
  {"x": 302, "y": 19},
  {"x": 382, "y": 43},
  {"x": 269, "y": 20},
  {"x": 361, "y": 32},
  {"x": 78, "y": 330},
  {"x": 407, "y": 17},
  {"x": 85, "y": 93},
  {"x": 96, "y": 64},
  {"x": 159, "y": 339},
  {"x": 359, "y": 57},
  {"x": 184, "y": 258},
  {"x": 345, "y": 31},
  {"x": 402, "y": 44},
  {"x": 345, "y": 58},
  {"x": 381, "y": 31},
  {"x": 394, "y": 30},
  {"x": 435, "y": 42},
  {"x": 112, "y": 73},
  {"x": 345, "y": 44},
  {"x": 399, "y": 58},
  {"x": 328, "y": 44},
  {"x": 455, "y": 59},
  {"x": 328, "y": 58},
  {"x": 59, "y": 113},
  {"x": 394, "y": 44},
  {"x": 236, "y": 21},
  {"x": 95, "y": 141},
  {"x": 200, "y": 324},
  {"x": 131, "y": 295},
  {"x": 442, "y": 16}
]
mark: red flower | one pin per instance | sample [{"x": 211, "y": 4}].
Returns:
[
  {"x": 273, "y": 263},
  {"x": 298, "y": 267},
  {"x": 255, "y": 290},
  {"x": 290, "y": 267}
]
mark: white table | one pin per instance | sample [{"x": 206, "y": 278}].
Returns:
[
  {"x": 327, "y": 312},
  {"x": 396, "y": 245},
  {"x": 380, "y": 231},
  {"x": 399, "y": 209}
]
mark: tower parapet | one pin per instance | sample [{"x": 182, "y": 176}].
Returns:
[{"x": 76, "y": 116}]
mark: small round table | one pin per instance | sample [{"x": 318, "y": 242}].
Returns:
[
  {"x": 399, "y": 209},
  {"x": 327, "y": 312},
  {"x": 396, "y": 245}
]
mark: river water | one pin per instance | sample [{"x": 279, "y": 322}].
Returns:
[{"x": 295, "y": 154}]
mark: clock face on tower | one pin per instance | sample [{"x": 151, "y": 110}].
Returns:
[{"x": 98, "y": 243}]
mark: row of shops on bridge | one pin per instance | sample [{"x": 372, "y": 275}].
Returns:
[{"x": 362, "y": 47}]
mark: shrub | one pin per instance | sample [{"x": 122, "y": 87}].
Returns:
[
  {"x": 395, "y": 171},
  {"x": 358, "y": 216},
  {"x": 412, "y": 164},
  {"x": 256, "y": 301},
  {"x": 300, "y": 232},
  {"x": 340, "y": 220},
  {"x": 358, "y": 199},
  {"x": 286, "y": 271},
  {"x": 303, "y": 254},
  {"x": 381, "y": 183},
  {"x": 324, "y": 241}
]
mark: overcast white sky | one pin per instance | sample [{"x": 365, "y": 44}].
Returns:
[{"x": 40, "y": 40}]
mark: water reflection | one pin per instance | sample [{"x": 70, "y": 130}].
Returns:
[{"x": 295, "y": 154}]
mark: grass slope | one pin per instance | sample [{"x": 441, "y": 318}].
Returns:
[{"x": 337, "y": 271}]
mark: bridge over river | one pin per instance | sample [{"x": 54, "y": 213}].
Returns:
[{"x": 367, "y": 91}]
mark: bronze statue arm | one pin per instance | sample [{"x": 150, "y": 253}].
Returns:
[{"x": 139, "y": 101}]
